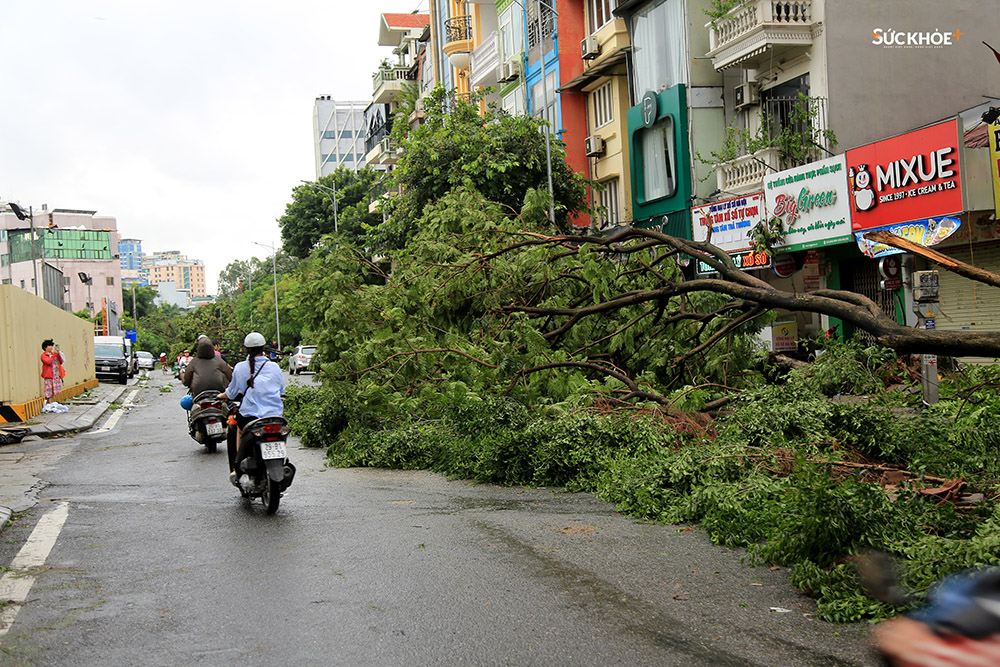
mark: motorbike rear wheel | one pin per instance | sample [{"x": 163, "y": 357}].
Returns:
[
  {"x": 210, "y": 446},
  {"x": 271, "y": 495}
]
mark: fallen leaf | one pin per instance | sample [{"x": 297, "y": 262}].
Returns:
[{"x": 682, "y": 599}]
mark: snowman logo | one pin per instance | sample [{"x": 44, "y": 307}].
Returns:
[{"x": 861, "y": 187}]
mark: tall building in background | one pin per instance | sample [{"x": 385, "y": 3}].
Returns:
[
  {"x": 173, "y": 267},
  {"x": 338, "y": 135}
]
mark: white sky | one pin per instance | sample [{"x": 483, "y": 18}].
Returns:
[{"x": 188, "y": 121}]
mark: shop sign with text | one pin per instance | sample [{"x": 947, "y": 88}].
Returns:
[
  {"x": 914, "y": 176},
  {"x": 922, "y": 232},
  {"x": 731, "y": 222},
  {"x": 811, "y": 202},
  {"x": 746, "y": 260}
]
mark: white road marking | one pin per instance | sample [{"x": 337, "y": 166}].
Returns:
[
  {"x": 113, "y": 419},
  {"x": 16, "y": 584}
]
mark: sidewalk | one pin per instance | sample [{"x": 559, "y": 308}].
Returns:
[{"x": 84, "y": 411}]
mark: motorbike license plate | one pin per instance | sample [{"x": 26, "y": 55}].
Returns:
[
  {"x": 214, "y": 428},
  {"x": 272, "y": 450}
]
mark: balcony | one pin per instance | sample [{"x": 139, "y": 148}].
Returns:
[
  {"x": 388, "y": 82},
  {"x": 761, "y": 32},
  {"x": 458, "y": 41},
  {"x": 746, "y": 173},
  {"x": 485, "y": 60},
  {"x": 382, "y": 191},
  {"x": 791, "y": 132},
  {"x": 383, "y": 152}
]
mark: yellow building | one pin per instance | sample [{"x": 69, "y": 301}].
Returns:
[{"x": 176, "y": 268}]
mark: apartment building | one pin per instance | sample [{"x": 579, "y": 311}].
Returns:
[
  {"x": 173, "y": 267},
  {"x": 338, "y": 134}
]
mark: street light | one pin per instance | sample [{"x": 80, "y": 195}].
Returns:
[
  {"x": 333, "y": 199},
  {"x": 88, "y": 281},
  {"x": 30, "y": 215},
  {"x": 274, "y": 269}
]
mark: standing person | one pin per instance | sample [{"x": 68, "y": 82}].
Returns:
[
  {"x": 52, "y": 370},
  {"x": 259, "y": 381}
]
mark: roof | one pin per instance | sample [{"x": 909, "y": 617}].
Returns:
[
  {"x": 978, "y": 137},
  {"x": 392, "y": 27}
]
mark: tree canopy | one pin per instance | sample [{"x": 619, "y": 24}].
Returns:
[{"x": 310, "y": 214}]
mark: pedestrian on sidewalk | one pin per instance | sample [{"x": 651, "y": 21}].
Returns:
[{"x": 52, "y": 370}]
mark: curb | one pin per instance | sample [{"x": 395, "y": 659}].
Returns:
[
  {"x": 5, "y": 515},
  {"x": 84, "y": 422}
]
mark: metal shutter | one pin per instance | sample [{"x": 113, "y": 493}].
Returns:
[{"x": 968, "y": 305}]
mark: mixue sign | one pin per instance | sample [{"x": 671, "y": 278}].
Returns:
[{"x": 910, "y": 177}]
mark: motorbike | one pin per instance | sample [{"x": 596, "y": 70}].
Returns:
[
  {"x": 263, "y": 469},
  {"x": 958, "y": 624},
  {"x": 207, "y": 420}
]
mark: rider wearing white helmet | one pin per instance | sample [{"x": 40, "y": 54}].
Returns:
[{"x": 261, "y": 384}]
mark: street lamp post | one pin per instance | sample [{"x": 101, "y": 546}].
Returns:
[
  {"x": 548, "y": 127},
  {"x": 274, "y": 269},
  {"x": 333, "y": 199},
  {"x": 30, "y": 216},
  {"x": 88, "y": 281}
]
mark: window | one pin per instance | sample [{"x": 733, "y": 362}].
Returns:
[
  {"x": 659, "y": 161},
  {"x": 608, "y": 199},
  {"x": 511, "y": 32},
  {"x": 539, "y": 108},
  {"x": 658, "y": 47},
  {"x": 514, "y": 102},
  {"x": 599, "y": 13},
  {"x": 604, "y": 105},
  {"x": 110, "y": 280}
]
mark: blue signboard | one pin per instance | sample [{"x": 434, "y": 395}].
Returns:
[{"x": 131, "y": 334}]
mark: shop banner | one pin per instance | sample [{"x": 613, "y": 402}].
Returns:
[
  {"x": 910, "y": 177},
  {"x": 812, "y": 203},
  {"x": 731, "y": 222},
  {"x": 993, "y": 135},
  {"x": 747, "y": 260},
  {"x": 922, "y": 232}
]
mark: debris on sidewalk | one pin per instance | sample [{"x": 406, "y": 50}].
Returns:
[
  {"x": 55, "y": 407},
  {"x": 12, "y": 436}
]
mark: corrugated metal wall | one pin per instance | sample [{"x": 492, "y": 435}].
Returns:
[
  {"x": 25, "y": 321},
  {"x": 966, "y": 304}
]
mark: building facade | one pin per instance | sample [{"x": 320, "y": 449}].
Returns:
[
  {"x": 338, "y": 134},
  {"x": 73, "y": 262},
  {"x": 173, "y": 267}
]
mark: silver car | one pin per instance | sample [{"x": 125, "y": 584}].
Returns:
[
  {"x": 145, "y": 360},
  {"x": 298, "y": 360}
]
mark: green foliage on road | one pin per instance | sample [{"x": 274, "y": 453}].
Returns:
[{"x": 792, "y": 473}]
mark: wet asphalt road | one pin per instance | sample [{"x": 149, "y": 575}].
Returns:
[{"x": 161, "y": 563}]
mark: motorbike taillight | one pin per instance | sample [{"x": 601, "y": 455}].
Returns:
[
  {"x": 206, "y": 406},
  {"x": 272, "y": 429}
]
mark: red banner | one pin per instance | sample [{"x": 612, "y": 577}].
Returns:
[{"x": 910, "y": 177}]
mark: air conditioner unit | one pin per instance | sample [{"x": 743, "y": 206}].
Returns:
[
  {"x": 510, "y": 71},
  {"x": 593, "y": 146},
  {"x": 591, "y": 47},
  {"x": 386, "y": 145},
  {"x": 746, "y": 94}
]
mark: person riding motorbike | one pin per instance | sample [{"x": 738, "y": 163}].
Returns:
[
  {"x": 262, "y": 386},
  {"x": 206, "y": 372}
]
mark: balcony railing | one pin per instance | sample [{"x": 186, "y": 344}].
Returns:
[
  {"x": 457, "y": 28},
  {"x": 761, "y": 30},
  {"x": 548, "y": 23},
  {"x": 388, "y": 81},
  {"x": 485, "y": 59},
  {"x": 747, "y": 173},
  {"x": 377, "y": 134}
]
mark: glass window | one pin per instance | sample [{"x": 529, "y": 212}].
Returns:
[
  {"x": 542, "y": 107},
  {"x": 599, "y": 12},
  {"x": 659, "y": 160},
  {"x": 603, "y": 105},
  {"x": 658, "y": 46},
  {"x": 511, "y": 32},
  {"x": 608, "y": 199}
]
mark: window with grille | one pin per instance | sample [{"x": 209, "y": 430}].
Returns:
[
  {"x": 599, "y": 12},
  {"x": 608, "y": 200},
  {"x": 604, "y": 107}
]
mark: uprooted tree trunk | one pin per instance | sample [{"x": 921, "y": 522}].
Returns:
[{"x": 854, "y": 308}]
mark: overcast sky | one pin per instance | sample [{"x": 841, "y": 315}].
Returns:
[{"x": 190, "y": 122}]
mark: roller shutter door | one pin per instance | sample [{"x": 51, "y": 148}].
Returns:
[{"x": 967, "y": 305}]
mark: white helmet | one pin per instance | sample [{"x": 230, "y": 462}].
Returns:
[{"x": 254, "y": 339}]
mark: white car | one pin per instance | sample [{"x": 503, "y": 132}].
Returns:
[
  {"x": 145, "y": 359},
  {"x": 298, "y": 360}
]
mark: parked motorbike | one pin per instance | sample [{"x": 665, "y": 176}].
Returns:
[
  {"x": 264, "y": 470},
  {"x": 207, "y": 420}
]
